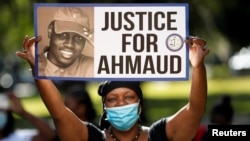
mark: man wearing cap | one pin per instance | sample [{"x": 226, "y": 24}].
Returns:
[{"x": 68, "y": 33}]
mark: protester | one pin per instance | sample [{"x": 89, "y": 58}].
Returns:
[
  {"x": 122, "y": 103},
  {"x": 68, "y": 33},
  {"x": 221, "y": 113},
  {"x": 42, "y": 131},
  {"x": 78, "y": 100}
]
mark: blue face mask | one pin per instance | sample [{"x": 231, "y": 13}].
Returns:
[
  {"x": 3, "y": 119},
  {"x": 123, "y": 117}
]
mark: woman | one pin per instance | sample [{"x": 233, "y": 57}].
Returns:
[
  {"x": 77, "y": 99},
  {"x": 221, "y": 113},
  {"x": 127, "y": 97},
  {"x": 8, "y": 132}
]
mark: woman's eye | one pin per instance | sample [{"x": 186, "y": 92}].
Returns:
[
  {"x": 111, "y": 100},
  {"x": 129, "y": 97}
]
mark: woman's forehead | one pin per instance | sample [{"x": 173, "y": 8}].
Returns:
[{"x": 121, "y": 91}]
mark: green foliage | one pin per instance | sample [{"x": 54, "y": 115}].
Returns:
[
  {"x": 16, "y": 21},
  {"x": 163, "y": 99}
]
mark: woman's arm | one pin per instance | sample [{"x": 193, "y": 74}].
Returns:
[
  {"x": 45, "y": 132},
  {"x": 184, "y": 124},
  {"x": 68, "y": 126}
]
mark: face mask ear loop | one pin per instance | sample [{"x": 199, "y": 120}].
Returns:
[
  {"x": 103, "y": 104},
  {"x": 139, "y": 108},
  {"x": 139, "y": 112}
]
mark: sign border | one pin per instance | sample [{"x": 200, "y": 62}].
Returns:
[{"x": 37, "y": 5}]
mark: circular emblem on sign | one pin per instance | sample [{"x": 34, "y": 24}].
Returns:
[{"x": 174, "y": 42}]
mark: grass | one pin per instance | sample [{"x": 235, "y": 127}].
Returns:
[{"x": 165, "y": 98}]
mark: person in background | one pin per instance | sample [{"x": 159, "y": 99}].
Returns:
[
  {"x": 42, "y": 132},
  {"x": 78, "y": 100},
  {"x": 68, "y": 33},
  {"x": 221, "y": 114},
  {"x": 122, "y": 103}
]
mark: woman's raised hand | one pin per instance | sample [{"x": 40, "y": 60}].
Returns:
[
  {"x": 28, "y": 52},
  {"x": 198, "y": 49}
]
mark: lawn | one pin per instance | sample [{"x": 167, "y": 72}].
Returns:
[{"x": 165, "y": 98}]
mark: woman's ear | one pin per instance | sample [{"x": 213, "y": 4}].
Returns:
[{"x": 140, "y": 109}]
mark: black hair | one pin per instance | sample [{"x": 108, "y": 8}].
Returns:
[
  {"x": 82, "y": 97},
  {"x": 107, "y": 86},
  {"x": 224, "y": 108},
  {"x": 10, "y": 126}
]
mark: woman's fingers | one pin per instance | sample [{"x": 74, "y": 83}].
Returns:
[
  {"x": 29, "y": 42},
  {"x": 25, "y": 43},
  {"x": 21, "y": 54},
  {"x": 28, "y": 52}
]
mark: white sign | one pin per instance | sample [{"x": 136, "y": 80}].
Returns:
[{"x": 112, "y": 41}]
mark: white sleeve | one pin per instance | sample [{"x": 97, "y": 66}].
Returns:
[{"x": 21, "y": 135}]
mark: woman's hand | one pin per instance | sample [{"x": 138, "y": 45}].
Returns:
[
  {"x": 197, "y": 50},
  {"x": 15, "y": 105},
  {"x": 28, "y": 52}
]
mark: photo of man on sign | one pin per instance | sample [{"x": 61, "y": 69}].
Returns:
[{"x": 69, "y": 33}]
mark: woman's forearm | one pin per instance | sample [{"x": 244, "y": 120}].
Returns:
[{"x": 198, "y": 96}]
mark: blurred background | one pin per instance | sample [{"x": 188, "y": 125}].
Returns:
[{"x": 223, "y": 24}]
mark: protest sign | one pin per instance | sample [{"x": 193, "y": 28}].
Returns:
[{"x": 126, "y": 41}]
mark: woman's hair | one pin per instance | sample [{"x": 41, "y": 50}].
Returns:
[{"x": 107, "y": 86}]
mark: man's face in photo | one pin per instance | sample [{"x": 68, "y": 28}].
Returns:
[{"x": 65, "y": 48}]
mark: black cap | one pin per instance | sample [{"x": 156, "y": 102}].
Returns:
[{"x": 107, "y": 86}]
